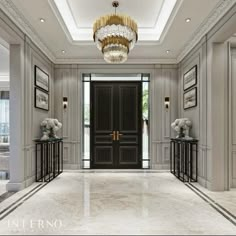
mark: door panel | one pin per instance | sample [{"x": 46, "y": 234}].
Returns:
[
  {"x": 116, "y": 127},
  {"x": 128, "y": 155},
  {"x": 128, "y": 109},
  {"x": 103, "y": 108},
  {"x": 103, "y": 155},
  {"x": 102, "y": 125},
  {"x": 130, "y": 115}
]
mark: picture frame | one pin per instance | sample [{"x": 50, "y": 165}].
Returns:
[
  {"x": 190, "y": 98},
  {"x": 41, "y": 100},
  {"x": 190, "y": 78},
  {"x": 41, "y": 79}
]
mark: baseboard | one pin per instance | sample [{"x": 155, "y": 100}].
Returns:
[
  {"x": 233, "y": 183},
  {"x": 204, "y": 183},
  {"x": 15, "y": 187},
  {"x": 29, "y": 181},
  {"x": 165, "y": 167},
  {"x": 71, "y": 167}
]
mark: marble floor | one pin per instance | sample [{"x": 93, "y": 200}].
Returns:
[
  {"x": 3, "y": 184},
  {"x": 226, "y": 199},
  {"x": 112, "y": 204}
]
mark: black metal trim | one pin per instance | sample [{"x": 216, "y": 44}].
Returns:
[
  {"x": 38, "y": 187},
  {"x": 206, "y": 198}
]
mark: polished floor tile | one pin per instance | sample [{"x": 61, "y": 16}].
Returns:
[
  {"x": 115, "y": 203},
  {"x": 3, "y": 184},
  {"x": 226, "y": 199}
]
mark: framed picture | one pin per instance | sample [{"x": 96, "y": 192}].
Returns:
[
  {"x": 41, "y": 99},
  {"x": 190, "y": 78},
  {"x": 190, "y": 98},
  {"x": 41, "y": 79}
]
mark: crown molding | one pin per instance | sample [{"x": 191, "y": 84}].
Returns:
[
  {"x": 15, "y": 15},
  {"x": 101, "y": 61},
  {"x": 217, "y": 13}
]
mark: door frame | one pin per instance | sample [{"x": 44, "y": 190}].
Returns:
[
  {"x": 140, "y": 111},
  {"x": 147, "y": 72}
]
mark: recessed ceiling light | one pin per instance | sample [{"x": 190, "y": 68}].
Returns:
[
  {"x": 187, "y": 20},
  {"x": 167, "y": 51},
  {"x": 42, "y": 20},
  {"x": 63, "y": 51}
]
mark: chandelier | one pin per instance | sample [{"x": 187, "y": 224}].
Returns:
[{"x": 115, "y": 35}]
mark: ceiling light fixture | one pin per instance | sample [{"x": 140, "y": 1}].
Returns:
[
  {"x": 115, "y": 35},
  {"x": 42, "y": 20},
  {"x": 187, "y": 20},
  {"x": 167, "y": 51},
  {"x": 63, "y": 51}
]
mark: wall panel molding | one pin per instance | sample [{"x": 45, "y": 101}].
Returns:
[{"x": 68, "y": 83}]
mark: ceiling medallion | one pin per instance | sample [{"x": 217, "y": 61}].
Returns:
[{"x": 115, "y": 35}]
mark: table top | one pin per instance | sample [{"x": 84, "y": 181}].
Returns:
[
  {"x": 184, "y": 140},
  {"x": 49, "y": 140}
]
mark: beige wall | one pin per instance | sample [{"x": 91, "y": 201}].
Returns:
[
  {"x": 24, "y": 118},
  {"x": 211, "y": 116},
  {"x": 232, "y": 102},
  {"x": 163, "y": 83}
]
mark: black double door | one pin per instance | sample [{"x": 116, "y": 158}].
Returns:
[{"x": 116, "y": 125}]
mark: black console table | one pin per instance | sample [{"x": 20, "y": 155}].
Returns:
[
  {"x": 49, "y": 159},
  {"x": 184, "y": 159}
]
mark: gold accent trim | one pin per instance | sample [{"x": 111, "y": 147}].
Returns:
[
  {"x": 113, "y": 136},
  {"x": 115, "y": 40},
  {"x": 115, "y": 20},
  {"x": 118, "y": 135}
]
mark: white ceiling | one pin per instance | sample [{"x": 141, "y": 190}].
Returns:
[
  {"x": 80, "y": 9},
  {"x": 176, "y": 35},
  {"x": 78, "y": 24}
]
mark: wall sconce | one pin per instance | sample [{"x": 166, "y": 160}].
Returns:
[
  {"x": 65, "y": 102},
  {"x": 167, "y": 102}
]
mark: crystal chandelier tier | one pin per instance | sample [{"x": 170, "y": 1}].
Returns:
[{"x": 115, "y": 35}]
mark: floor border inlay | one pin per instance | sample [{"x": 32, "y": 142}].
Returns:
[
  {"x": 5, "y": 212},
  {"x": 5, "y": 196},
  {"x": 220, "y": 209}
]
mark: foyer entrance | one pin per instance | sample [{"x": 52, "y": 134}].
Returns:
[
  {"x": 116, "y": 125},
  {"x": 115, "y": 128}
]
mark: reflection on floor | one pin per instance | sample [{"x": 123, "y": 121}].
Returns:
[{"x": 113, "y": 203}]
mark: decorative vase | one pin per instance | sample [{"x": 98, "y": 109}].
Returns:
[
  {"x": 53, "y": 134},
  {"x": 181, "y": 133},
  {"x": 45, "y": 136},
  {"x": 187, "y": 134}
]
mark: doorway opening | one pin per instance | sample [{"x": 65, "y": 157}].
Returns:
[
  {"x": 116, "y": 121},
  {"x": 4, "y": 117}
]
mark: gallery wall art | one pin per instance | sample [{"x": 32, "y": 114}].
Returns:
[
  {"x": 41, "y": 93},
  {"x": 190, "y": 98},
  {"x": 190, "y": 78},
  {"x": 41, "y": 99}
]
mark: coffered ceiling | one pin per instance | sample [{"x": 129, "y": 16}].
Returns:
[{"x": 164, "y": 35}]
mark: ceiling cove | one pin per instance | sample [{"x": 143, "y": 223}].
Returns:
[
  {"x": 152, "y": 28},
  {"x": 8, "y": 7}
]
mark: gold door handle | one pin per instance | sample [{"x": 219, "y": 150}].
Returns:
[
  {"x": 118, "y": 135},
  {"x": 113, "y": 135}
]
